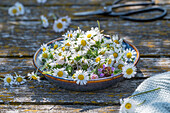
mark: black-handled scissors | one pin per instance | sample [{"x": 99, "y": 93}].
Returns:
[{"x": 126, "y": 15}]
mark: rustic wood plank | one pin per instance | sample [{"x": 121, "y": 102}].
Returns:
[
  {"x": 24, "y": 38},
  {"x": 34, "y": 13},
  {"x": 146, "y": 66},
  {"x": 59, "y": 108},
  {"x": 73, "y": 2}
]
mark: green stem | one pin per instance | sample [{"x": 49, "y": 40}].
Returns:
[
  {"x": 141, "y": 103},
  {"x": 54, "y": 17},
  {"x": 98, "y": 24},
  {"x": 144, "y": 92}
]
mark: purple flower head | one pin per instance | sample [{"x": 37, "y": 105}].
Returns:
[
  {"x": 112, "y": 74},
  {"x": 104, "y": 66},
  {"x": 100, "y": 69},
  {"x": 112, "y": 68},
  {"x": 101, "y": 75}
]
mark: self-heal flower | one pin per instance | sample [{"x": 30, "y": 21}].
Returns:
[
  {"x": 44, "y": 21},
  {"x": 94, "y": 76}
]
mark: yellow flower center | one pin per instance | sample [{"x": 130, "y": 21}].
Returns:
[
  {"x": 14, "y": 11},
  {"x": 81, "y": 77},
  {"x": 63, "y": 48},
  {"x": 55, "y": 46},
  {"x": 70, "y": 35},
  {"x": 120, "y": 66},
  {"x": 64, "y": 20},
  {"x": 108, "y": 45},
  {"x": 8, "y": 80},
  {"x": 129, "y": 71},
  {"x": 115, "y": 55},
  {"x": 68, "y": 44},
  {"x": 44, "y": 49},
  {"x": 60, "y": 54},
  {"x": 60, "y": 73},
  {"x": 98, "y": 59},
  {"x": 89, "y": 35},
  {"x": 129, "y": 55},
  {"x": 83, "y": 42},
  {"x": 110, "y": 61},
  {"x": 20, "y": 8},
  {"x": 44, "y": 20},
  {"x": 128, "y": 105},
  {"x": 60, "y": 25},
  {"x": 34, "y": 77},
  {"x": 19, "y": 79},
  {"x": 73, "y": 76},
  {"x": 45, "y": 55},
  {"x": 116, "y": 41}
]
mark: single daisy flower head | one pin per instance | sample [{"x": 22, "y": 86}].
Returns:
[
  {"x": 13, "y": 11},
  {"x": 20, "y": 7},
  {"x": 81, "y": 77},
  {"x": 44, "y": 47},
  {"x": 60, "y": 73},
  {"x": 110, "y": 61},
  {"x": 128, "y": 106},
  {"x": 117, "y": 54},
  {"x": 82, "y": 42},
  {"x": 8, "y": 80},
  {"x": 129, "y": 54},
  {"x": 129, "y": 71},
  {"x": 120, "y": 64},
  {"x": 33, "y": 76},
  {"x": 41, "y": 1},
  {"x": 56, "y": 44},
  {"x": 19, "y": 79},
  {"x": 44, "y": 21},
  {"x": 59, "y": 26},
  {"x": 66, "y": 19},
  {"x": 117, "y": 42}
]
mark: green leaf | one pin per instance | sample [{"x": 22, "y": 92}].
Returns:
[{"x": 117, "y": 71}]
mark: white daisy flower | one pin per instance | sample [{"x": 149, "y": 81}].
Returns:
[
  {"x": 129, "y": 55},
  {"x": 59, "y": 26},
  {"x": 102, "y": 50},
  {"x": 107, "y": 42},
  {"x": 41, "y": 1},
  {"x": 57, "y": 44},
  {"x": 20, "y": 7},
  {"x": 119, "y": 64},
  {"x": 44, "y": 20},
  {"x": 99, "y": 59},
  {"x": 110, "y": 61},
  {"x": 69, "y": 35},
  {"x": 81, "y": 77},
  {"x": 44, "y": 47},
  {"x": 117, "y": 42},
  {"x": 66, "y": 19},
  {"x": 129, "y": 71},
  {"x": 82, "y": 42},
  {"x": 128, "y": 106},
  {"x": 116, "y": 53},
  {"x": 33, "y": 76},
  {"x": 90, "y": 34},
  {"x": 13, "y": 11},
  {"x": 60, "y": 73},
  {"x": 19, "y": 79},
  {"x": 8, "y": 80}
]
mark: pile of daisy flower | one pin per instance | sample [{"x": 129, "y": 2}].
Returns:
[
  {"x": 16, "y": 10},
  {"x": 82, "y": 56}
]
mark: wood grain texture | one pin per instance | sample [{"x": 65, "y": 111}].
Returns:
[
  {"x": 24, "y": 38},
  {"x": 146, "y": 66},
  {"x": 58, "y": 108}
]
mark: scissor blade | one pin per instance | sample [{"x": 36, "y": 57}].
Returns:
[{"x": 87, "y": 13}]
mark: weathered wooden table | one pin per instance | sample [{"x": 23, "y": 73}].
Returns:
[{"x": 21, "y": 36}]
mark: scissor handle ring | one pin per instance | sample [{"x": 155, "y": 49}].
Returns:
[{"x": 126, "y": 17}]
